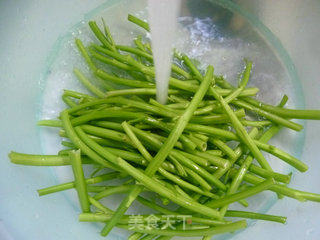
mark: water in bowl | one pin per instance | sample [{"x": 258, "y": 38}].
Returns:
[{"x": 209, "y": 39}]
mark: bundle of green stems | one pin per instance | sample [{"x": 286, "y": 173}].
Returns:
[{"x": 180, "y": 152}]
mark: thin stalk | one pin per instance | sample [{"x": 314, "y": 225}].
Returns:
[
  {"x": 155, "y": 103},
  {"x": 88, "y": 84},
  {"x": 107, "y": 113},
  {"x": 95, "y": 51},
  {"x": 108, "y": 124},
  {"x": 124, "y": 81},
  {"x": 201, "y": 136},
  {"x": 79, "y": 180},
  {"x": 135, "y": 51},
  {"x": 113, "y": 190},
  {"x": 207, "y": 109},
  {"x": 272, "y": 117},
  {"x": 284, "y": 112},
  {"x": 139, "y": 22},
  {"x": 85, "y": 55},
  {"x": 95, "y": 189},
  {"x": 242, "y": 85},
  {"x": 177, "y": 99},
  {"x": 192, "y": 67},
  {"x": 69, "y": 185},
  {"x": 216, "y": 118},
  {"x": 107, "y": 33},
  {"x": 198, "y": 179},
  {"x": 138, "y": 42},
  {"x": 128, "y": 155},
  {"x": 100, "y": 206},
  {"x": 215, "y": 152},
  {"x": 282, "y": 189},
  {"x": 252, "y": 215},
  {"x": 266, "y": 173},
  {"x": 136, "y": 91},
  {"x": 259, "y": 124},
  {"x": 200, "y": 160},
  {"x": 97, "y": 32},
  {"x": 135, "y": 236},
  {"x": 296, "y": 163},
  {"x": 215, "y": 160},
  {"x": 265, "y": 185},
  {"x": 200, "y": 143},
  {"x": 42, "y": 160},
  {"x": 223, "y": 147},
  {"x": 77, "y": 95},
  {"x": 180, "y": 169},
  {"x": 68, "y": 101}
]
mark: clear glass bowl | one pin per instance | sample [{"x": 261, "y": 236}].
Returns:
[{"x": 216, "y": 32}]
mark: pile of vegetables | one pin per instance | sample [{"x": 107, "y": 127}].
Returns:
[{"x": 180, "y": 152}]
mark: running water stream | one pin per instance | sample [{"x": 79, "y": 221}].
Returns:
[{"x": 163, "y": 27}]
